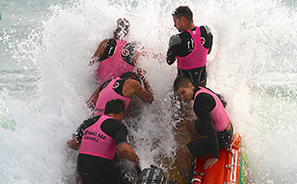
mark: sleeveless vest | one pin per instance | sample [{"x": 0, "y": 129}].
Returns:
[
  {"x": 108, "y": 94},
  {"x": 197, "y": 58},
  {"x": 114, "y": 66},
  {"x": 96, "y": 143},
  {"x": 218, "y": 114}
]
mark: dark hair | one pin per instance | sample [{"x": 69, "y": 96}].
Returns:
[
  {"x": 130, "y": 75},
  {"x": 184, "y": 11},
  {"x": 115, "y": 106},
  {"x": 181, "y": 81},
  {"x": 123, "y": 27}
]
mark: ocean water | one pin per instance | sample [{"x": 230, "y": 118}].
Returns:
[{"x": 45, "y": 80}]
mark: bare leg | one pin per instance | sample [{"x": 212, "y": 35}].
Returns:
[{"x": 184, "y": 167}]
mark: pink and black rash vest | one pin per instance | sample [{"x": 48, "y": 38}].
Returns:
[
  {"x": 108, "y": 93},
  {"x": 218, "y": 115},
  {"x": 198, "y": 57},
  {"x": 97, "y": 143},
  {"x": 114, "y": 66}
]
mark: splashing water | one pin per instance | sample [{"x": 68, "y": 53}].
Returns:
[{"x": 46, "y": 82}]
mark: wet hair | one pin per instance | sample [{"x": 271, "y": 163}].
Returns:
[
  {"x": 115, "y": 107},
  {"x": 122, "y": 29},
  {"x": 184, "y": 11},
  {"x": 181, "y": 81},
  {"x": 130, "y": 75}
]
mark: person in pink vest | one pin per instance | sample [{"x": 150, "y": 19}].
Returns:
[
  {"x": 123, "y": 87},
  {"x": 213, "y": 126},
  {"x": 116, "y": 55},
  {"x": 190, "y": 48},
  {"x": 101, "y": 140}
]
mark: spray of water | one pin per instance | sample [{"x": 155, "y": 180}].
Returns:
[{"x": 254, "y": 42}]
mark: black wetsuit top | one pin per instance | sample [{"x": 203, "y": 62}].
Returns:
[
  {"x": 91, "y": 167},
  {"x": 196, "y": 75},
  {"x": 127, "y": 55},
  {"x": 182, "y": 50},
  {"x": 118, "y": 89}
]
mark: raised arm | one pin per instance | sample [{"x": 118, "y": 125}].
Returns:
[
  {"x": 132, "y": 87},
  {"x": 141, "y": 72},
  {"x": 93, "y": 99},
  {"x": 99, "y": 52},
  {"x": 73, "y": 143},
  {"x": 140, "y": 50}
]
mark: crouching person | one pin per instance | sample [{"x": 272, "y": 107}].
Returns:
[
  {"x": 98, "y": 139},
  {"x": 213, "y": 126}
]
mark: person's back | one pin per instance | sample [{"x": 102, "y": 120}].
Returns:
[
  {"x": 116, "y": 60},
  {"x": 116, "y": 56},
  {"x": 120, "y": 88},
  {"x": 110, "y": 90},
  {"x": 190, "y": 47},
  {"x": 98, "y": 139}
]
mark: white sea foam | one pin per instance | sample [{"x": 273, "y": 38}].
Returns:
[{"x": 254, "y": 44}]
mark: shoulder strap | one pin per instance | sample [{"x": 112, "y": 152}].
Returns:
[{"x": 109, "y": 50}]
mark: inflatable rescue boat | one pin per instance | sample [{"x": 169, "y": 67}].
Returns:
[{"x": 230, "y": 168}]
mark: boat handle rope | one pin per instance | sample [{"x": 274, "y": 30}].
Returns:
[
  {"x": 231, "y": 165},
  {"x": 199, "y": 173},
  {"x": 195, "y": 179}
]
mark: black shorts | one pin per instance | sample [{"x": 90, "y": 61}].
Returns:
[
  {"x": 94, "y": 170},
  {"x": 202, "y": 145},
  {"x": 197, "y": 76},
  {"x": 108, "y": 175}
]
